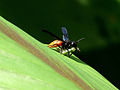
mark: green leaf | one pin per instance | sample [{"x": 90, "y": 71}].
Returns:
[{"x": 27, "y": 64}]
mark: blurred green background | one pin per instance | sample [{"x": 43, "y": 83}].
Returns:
[{"x": 98, "y": 21}]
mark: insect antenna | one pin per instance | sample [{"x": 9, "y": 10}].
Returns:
[{"x": 79, "y": 40}]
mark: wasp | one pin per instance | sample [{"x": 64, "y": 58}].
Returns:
[{"x": 64, "y": 44}]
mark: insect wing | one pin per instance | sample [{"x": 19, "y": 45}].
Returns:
[
  {"x": 65, "y": 34},
  {"x": 52, "y": 34}
]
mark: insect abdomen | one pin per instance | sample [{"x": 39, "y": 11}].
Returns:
[{"x": 55, "y": 43}]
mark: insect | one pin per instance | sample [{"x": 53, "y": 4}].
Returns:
[{"x": 65, "y": 43}]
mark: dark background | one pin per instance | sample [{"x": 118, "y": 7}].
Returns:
[{"x": 98, "y": 21}]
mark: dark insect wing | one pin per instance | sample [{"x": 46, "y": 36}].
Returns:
[
  {"x": 65, "y": 34},
  {"x": 52, "y": 34}
]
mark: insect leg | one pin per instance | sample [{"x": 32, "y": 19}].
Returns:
[
  {"x": 69, "y": 53},
  {"x": 60, "y": 48},
  {"x": 77, "y": 49}
]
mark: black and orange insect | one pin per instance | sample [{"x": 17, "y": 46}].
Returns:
[{"x": 65, "y": 43}]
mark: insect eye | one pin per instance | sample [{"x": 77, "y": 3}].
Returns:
[{"x": 73, "y": 44}]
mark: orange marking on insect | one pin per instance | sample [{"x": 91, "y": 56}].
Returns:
[{"x": 55, "y": 43}]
